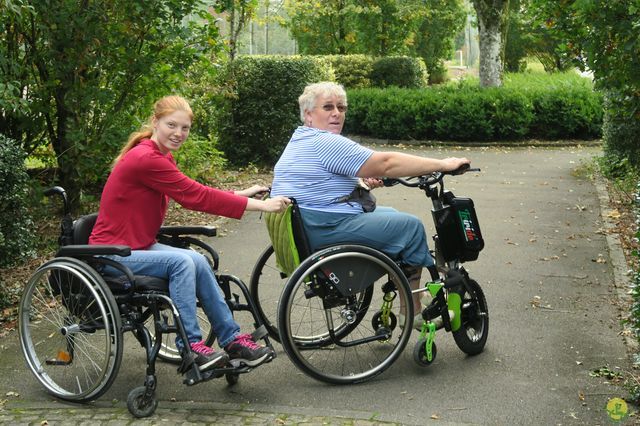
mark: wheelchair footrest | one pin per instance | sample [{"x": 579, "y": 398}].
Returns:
[{"x": 194, "y": 376}]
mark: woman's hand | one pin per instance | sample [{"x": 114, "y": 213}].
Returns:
[
  {"x": 257, "y": 191},
  {"x": 274, "y": 205},
  {"x": 371, "y": 183}
]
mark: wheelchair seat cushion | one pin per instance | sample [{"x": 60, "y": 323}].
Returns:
[{"x": 280, "y": 228}]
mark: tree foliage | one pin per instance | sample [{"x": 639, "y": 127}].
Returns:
[
  {"x": 76, "y": 72},
  {"x": 238, "y": 15},
  {"x": 379, "y": 28},
  {"x": 546, "y": 32},
  {"x": 442, "y": 21},
  {"x": 602, "y": 36}
]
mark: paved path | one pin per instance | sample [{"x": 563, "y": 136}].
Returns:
[{"x": 549, "y": 279}]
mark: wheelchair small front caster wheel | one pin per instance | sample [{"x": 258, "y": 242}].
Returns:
[
  {"x": 377, "y": 322},
  {"x": 232, "y": 379},
  {"x": 140, "y": 405},
  {"x": 420, "y": 353}
]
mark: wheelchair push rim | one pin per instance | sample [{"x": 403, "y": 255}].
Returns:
[{"x": 70, "y": 330}]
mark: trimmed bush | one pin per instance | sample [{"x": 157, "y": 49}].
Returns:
[
  {"x": 466, "y": 115},
  {"x": 260, "y": 110},
  {"x": 352, "y": 71},
  {"x": 399, "y": 71},
  {"x": 553, "y": 107},
  {"x": 17, "y": 231}
]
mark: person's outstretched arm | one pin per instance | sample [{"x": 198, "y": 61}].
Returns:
[{"x": 397, "y": 164}]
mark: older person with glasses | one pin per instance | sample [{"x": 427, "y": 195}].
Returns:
[{"x": 325, "y": 173}]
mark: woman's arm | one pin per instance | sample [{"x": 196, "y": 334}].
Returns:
[
  {"x": 397, "y": 164},
  {"x": 253, "y": 191}
]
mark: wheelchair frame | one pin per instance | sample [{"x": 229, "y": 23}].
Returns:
[{"x": 72, "y": 318}]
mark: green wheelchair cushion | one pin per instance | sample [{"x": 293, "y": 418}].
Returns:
[{"x": 281, "y": 235}]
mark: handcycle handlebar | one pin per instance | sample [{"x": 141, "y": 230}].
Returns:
[{"x": 428, "y": 180}]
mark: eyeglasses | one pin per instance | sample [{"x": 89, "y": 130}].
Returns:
[{"x": 331, "y": 107}]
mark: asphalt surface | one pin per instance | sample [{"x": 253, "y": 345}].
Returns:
[{"x": 553, "y": 279}]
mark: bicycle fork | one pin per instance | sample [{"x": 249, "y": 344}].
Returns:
[{"x": 443, "y": 312}]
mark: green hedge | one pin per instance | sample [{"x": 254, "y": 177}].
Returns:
[
  {"x": 399, "y": 71},
  {"x": 17, "y": 231},
  {"x": 352, "y": 71},
  {"x": 555, "y": 107},
  {"x": 363, "y": 71},
  {"x": 260, "y": 109}
]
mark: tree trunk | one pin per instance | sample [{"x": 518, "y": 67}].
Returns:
[
  {"x": 490, "y": 15},
  {"x": 63, "y": 146}
]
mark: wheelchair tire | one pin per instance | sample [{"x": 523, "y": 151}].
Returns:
[
  {"x": 474, "y": 329},
  {"x": 168, "y": 351},
  {"x": 265, "y": 287},
  {"x": 327, "y": 312},
  {"x": 139, "y": 405},
  {"x": 70, "y": 330}
]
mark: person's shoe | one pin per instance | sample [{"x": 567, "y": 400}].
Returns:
[
  {"x": 207, "y": 358},
  {"x": 417, "y": 321},
  {"x": 245, "y": 351}
]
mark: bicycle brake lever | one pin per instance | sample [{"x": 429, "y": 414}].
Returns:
[{"x": 389, "y": 181}]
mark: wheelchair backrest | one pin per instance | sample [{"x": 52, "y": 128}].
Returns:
[
  {"x": 82, "y": 228},
  {"x": 288, "y": 238}
]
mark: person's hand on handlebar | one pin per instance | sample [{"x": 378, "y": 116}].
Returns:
[
  {"x": 453, "y": 163},
  {"x": 371, "y": 183}
]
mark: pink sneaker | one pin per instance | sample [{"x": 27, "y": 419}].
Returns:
[
  {"x": 247, "y": 351},
  {"x": 207, "y": 358}
]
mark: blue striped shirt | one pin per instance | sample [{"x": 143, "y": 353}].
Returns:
[{"x": 317, "y": 167}]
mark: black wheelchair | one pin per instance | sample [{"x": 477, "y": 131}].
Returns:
[{"x": 72, "y": 317}]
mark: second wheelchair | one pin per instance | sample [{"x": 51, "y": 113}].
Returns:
[{"x": 72, "y": 317}]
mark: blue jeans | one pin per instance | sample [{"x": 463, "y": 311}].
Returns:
[
  {"x": 189, "y": 276},
  {"x": 399, "y": 235}
]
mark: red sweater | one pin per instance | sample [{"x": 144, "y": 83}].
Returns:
[{"x": 136, "y": 196}]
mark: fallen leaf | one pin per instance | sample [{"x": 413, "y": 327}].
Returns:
[
  {"x": 614, "y": 214},
  {"x": 535, "y": 302},
  {"x": 435, "y": 417}
]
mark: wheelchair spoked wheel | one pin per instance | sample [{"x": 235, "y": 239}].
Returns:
[
  {"x": 474, "y": 329},
  {"x": 70, "y": 330},
  {"x": 265, "y": 287},
  {"x": 168, "y": 351},
  {"x": 328, "y": 315}
]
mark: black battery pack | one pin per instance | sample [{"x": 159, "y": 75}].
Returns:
[{"x": 458, "y": 229}]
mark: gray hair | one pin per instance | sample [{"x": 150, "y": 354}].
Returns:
[{"x": 310, "y": 95}]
